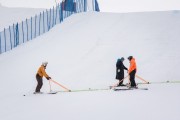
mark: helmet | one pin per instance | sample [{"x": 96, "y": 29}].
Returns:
[
  {"x": 130, "y": 57},
  {"x": 44, "y": 63}
]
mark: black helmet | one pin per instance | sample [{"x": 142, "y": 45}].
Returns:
[{"x": 130, "y": 57}]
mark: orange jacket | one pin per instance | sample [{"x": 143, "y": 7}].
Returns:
[
  {"x": 41, "y": 71},
  {"x": 132, "y": 65}
]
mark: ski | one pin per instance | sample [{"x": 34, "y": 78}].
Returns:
[
  {"x": 41, "y": 93},
  {"x": 111, "y": 87},
  {"x": 51, "y": 92},
  {"x": 123, "y": 89}
]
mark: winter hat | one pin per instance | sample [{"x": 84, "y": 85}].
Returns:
[
  {"x": 118, "y": 59},
  {"x": 122, "y": 59},
  {"x": 44, "y": 63},
  {"x": 130, "y": 57}
]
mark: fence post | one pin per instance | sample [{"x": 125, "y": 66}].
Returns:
[
  {"x": 53, "y": 18},
  {"x": 61, "y": 11},
  {"x": 31, "y": 28},
  {"x": 5, "y": 38},
  {"x": 17, "y": 34},
  {"x": 14, "y": 36},
  {"x": 85, "y": 5},
  {"x": 27, "y": 29},
  {"x": 35, "y": 26},
  {"x": 64, "y": 11},
  {"x": 10, "y": 36},
  {"x": 56, "y": 14},
  {"x": 23, "y": 30},
  {"x": 71, "y": 8},
  {"x": 40, "y": 24},
  {"x": 0, "y": 43},
  {"x": 96, "y": 6},
  {"x": 47, "y": 20},
  {"x": 74, "y": 7},
  {"x": 43, "y": 23},
  {"x": 49, "y": 27}
]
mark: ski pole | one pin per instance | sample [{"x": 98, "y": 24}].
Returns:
[
  {"x": 119, "y": 82},
  {"x": 142, "y": 79},
  {"x": 123, "y": 79},
  {"x": 50, "y": 86},
  {"x": 60, "y": 85}
]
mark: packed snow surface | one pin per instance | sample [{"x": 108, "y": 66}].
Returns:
[{"x": 82, "y": 54}]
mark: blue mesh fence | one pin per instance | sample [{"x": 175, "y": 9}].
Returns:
[{"x": 41, "y": 23}]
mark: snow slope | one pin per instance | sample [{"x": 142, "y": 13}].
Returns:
[
  {"x": 14, "y": 15},
  {"x": 82, "y": 53}
]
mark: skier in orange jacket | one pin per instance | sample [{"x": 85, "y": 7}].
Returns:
[
  {"x": 40, "y": 73},
  {"x": 132, "y": 71}
]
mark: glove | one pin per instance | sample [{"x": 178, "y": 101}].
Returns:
[{"x": 48, "y": 78}]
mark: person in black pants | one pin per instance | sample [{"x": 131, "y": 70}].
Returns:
[
  {"x": 39, "y": 77},
  {"x": 120, "y": 71},
  {"x": 132, "y": 71},
  {"x": 40, "y": 83}
]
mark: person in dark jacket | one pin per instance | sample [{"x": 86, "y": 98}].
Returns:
[
  {"x": 39, "y": 77},
  {"x": 132, "y": 71},
  {"x": 120, "y": 71}
]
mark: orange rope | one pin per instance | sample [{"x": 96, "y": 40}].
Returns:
[
  {"x": 60, "y": 85},
  {"x": 142, "y": 79}
]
